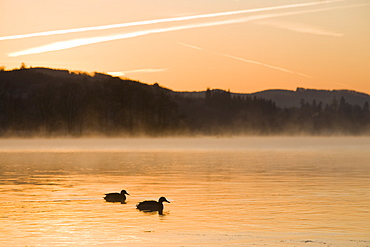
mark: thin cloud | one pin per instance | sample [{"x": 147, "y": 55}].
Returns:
[
  {"x": 157, "y": 21},
  {"x": 116, "y": 73},
  {"x": 123, "y": 73},
  {"x": 299, "y": 27}
]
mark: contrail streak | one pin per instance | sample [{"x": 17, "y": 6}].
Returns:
[
  {"x": 86, "y": 41},
  {"x": 174, "y": 19},
  {"x": 263, "y": 64},
  {"x": 301, "y": 28},
  {"x": 80, "y": 42},
  {"x": 191, "y": 46},
  {"x": 247, "y": 61}
]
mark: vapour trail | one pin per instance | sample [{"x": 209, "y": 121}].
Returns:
[
  {"x": 173, "y": 19},
  {"x": 86, "y": 41},
  {"x": 246, "y": 60},
  {"x": 191, "y": 46},
  {"x": 264, "y": 64},
  {"x": 299, "y": 27}
]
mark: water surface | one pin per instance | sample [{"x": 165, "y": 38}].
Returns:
[{"x": 265, "y": 191}]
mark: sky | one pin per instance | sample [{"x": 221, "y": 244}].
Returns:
[{"x": 190, "y": 45}]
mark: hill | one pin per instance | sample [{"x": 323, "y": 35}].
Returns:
[
  {"x": 50, "y": 102},
  {"x": 58, "y": 102},
  {"x": 289, "y": 98},
  {"x": 286, "y": 98}
]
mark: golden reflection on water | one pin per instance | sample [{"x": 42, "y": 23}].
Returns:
[{"x": 275, "y": 197}]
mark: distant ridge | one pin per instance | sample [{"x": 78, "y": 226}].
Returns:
[
  {"x": 289, "y": 98},
  {"x": 281, "y": 97},
  {"x": 50, "y": 102},
  {"x": 66, "y": 74}
]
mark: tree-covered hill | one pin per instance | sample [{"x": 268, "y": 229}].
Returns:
[
  {"x": 289, "y": 98},
  {"x": 55, "y": 102},
  {"x": 49, "y": 102}
]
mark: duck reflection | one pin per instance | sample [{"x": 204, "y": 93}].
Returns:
[
  {"x": 152, "y": 206},
  {"x": 117, "y": 197}
]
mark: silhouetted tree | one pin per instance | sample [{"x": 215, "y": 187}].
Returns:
[{"x": 48, "y": 102}]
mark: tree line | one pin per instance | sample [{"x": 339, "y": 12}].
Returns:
[
  {"x": 59, "y": 103},
  {"x": 222, "y": 112},
  {"x": 33, "y": 103}
]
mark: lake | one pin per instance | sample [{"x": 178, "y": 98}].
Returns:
[{"x": 253, "y": 191}]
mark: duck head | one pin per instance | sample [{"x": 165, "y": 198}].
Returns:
[
  {"x": 163, "y": 199},
  {"x": 124, "y": 192}
]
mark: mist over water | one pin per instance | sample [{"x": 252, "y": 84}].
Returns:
[
  {"x": 180, "y": 144},
  {"x": 274, "y": 191}
]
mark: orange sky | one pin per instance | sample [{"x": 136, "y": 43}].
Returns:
[{"x": 241, "y": 45}]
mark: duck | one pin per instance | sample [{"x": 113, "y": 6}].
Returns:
[
  {"x": 150, "y": 206},
  {"x": 116, "y": 197}
]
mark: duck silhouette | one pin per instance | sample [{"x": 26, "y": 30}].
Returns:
[
  {"x": 150, "y": 206},
  {"x": 116, "y": 197}
]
